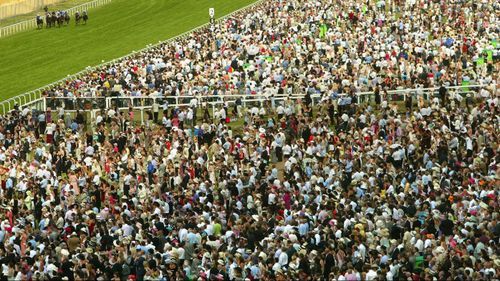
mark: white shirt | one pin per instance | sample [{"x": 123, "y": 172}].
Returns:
[
  {"x": 183, "y": 234},
  {"x": 181, "y": 253},
  {"x": 362, "y": 251},
  {"x": 287, "y": 150},
  {"x": 468, "y": 144},
  {"x": 280, "y": 110},
  {"x": 419, "y": 245},
  {"x": 271, "y": 199},
  {"x": 49, "y": 130},
  {"x": 96, "y": 180},
  {"x": 389, "y": 276},
  {"x": 370, "y": 275},
  {"x": 126, "y": 179},
  {"x": 283, "y": 259}
]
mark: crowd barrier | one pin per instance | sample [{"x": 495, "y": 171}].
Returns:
[
  {"x": 143, "y": 103},
  {"x": 31, "y": 24}
]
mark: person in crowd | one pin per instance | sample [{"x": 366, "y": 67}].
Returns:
[{"x": 309, "y": 190}]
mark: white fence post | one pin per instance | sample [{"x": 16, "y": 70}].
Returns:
[{"x": 142, "y": 110}]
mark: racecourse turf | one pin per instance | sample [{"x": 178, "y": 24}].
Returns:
[{"x": 32, "y": 59}]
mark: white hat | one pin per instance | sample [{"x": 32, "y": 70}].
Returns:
[{"x": 263, "y": 255}]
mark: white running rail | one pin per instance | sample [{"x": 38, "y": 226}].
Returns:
[{"x": 71, "y": 104}]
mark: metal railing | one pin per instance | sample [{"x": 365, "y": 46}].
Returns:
[
  {"x": 34, "y": 96},
  {"x": 143, "y": 103},
  {"x": 31, "y": 24},
  {"x": 41, "y": 102}
]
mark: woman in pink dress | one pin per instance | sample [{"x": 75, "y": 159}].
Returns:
[{"x": 73, "y": 181}]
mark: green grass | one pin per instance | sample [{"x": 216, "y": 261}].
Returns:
[{"x": 32, "y": 59}]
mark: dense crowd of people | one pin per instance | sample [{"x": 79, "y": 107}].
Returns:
[{"x": 359, "y": 191}]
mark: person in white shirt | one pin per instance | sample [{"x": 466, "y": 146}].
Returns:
[
  {"x": 283, "y": 257},
  {"x": 222, "y": 115},
  {"x": 271, "y": 199},
  {"x": 287, "y": 151},
  {"x": 469, "y": 146},
  {"x": 49, "y": 131},
  {"x": 183, "y": 234},
  {"x": 181, "y": 116},
  {"x": 156, "y": 109},
  {"x": 372, "y": 273},
  {"x": 280, "y": 110},
  {"x": 189, "y": 117}
]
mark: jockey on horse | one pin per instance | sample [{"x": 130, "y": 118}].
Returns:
[
  {"x": 39, "y": 21},
  {"x": 77, "y": 17},
  {"x": 66, "y": 17},
  {"x": 85, "y": 17},
  {"x": 59, "y": 18},
  {"x": 48, "y": 19}
]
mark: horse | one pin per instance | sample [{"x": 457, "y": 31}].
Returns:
[
  {"x": 53, "y": 19},
  {"x": 66, "y": 18},
  {"x": 77, "y": 18},
  {"x": 60, "y": 20},
  {"x": 85, "y": 17},
  {"x": 48, "y": 19},
  {"x": 39, "y": 22}
]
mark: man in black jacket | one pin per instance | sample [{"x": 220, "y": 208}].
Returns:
[{"x": 442, "y": 94}]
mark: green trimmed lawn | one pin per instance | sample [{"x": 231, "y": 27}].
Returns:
[{"x": 32, "y": 59}]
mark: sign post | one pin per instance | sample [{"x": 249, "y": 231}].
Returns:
[{"x": 211, "y": 13}]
